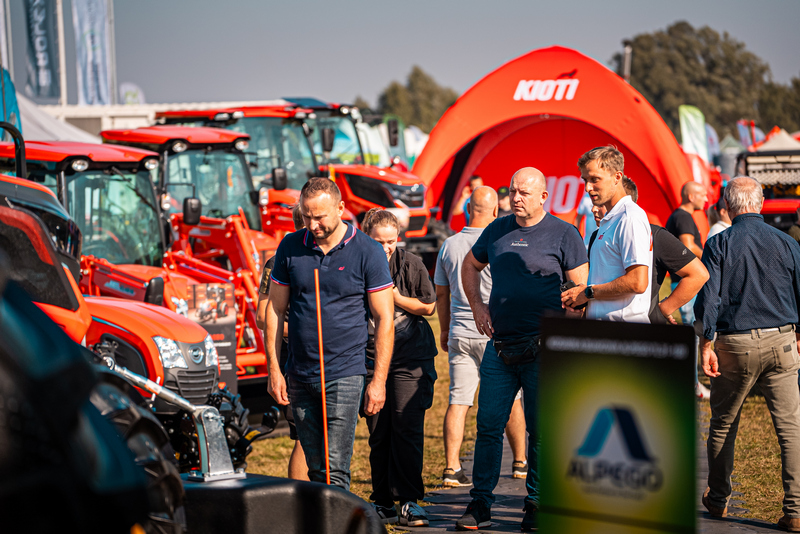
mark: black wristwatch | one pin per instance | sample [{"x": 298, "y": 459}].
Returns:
[{"x": 589, "y": 292}]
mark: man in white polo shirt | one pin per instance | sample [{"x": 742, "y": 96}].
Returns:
[{"x": 621, "y": 257}]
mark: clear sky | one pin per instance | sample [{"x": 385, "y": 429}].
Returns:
[{"x": 208, "y": 50}]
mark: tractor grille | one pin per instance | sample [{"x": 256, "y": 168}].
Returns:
[
  {"x": 194, "y": 386},
  {"x": 416, "y": 223}
]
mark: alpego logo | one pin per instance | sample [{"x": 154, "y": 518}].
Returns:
[
  {"x": 630, "y": 473},
  {"x": 544, "y": 90}
]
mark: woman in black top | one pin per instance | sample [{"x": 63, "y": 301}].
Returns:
[{"x": 397, "y": 431}]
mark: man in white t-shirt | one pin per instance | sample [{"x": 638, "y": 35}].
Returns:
[{"x": 622, "y": 255}]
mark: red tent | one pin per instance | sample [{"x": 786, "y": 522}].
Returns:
[{"x": 544, "y": 109}]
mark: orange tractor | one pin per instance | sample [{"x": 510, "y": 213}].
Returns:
[
  {"x": 111, "y": 198},
  {"x": 312, "y": 138}
]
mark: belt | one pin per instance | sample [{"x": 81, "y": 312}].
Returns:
[{"x": 755, "y": 331}]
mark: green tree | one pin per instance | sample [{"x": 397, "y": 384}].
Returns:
[
  {"x": 361, "y": 103},
  {"x": 700, "y": 67},
  {"x": 779, "y": 105},
  {"x": 421, "y": 101}
]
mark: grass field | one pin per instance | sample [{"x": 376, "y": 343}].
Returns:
[
  {"x": 271, "y": 456},
  {"x": 757, "y": 464}
]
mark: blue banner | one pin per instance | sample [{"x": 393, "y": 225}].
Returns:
[
  {"x": 8, "y": 103},
  {"x": 92, "y": 51},
  {"x": 42, "y": 64}
]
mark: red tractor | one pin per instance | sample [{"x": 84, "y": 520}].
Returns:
[
  {"x": 110, "y": 195},
  {"x": 312, "y": 138}
]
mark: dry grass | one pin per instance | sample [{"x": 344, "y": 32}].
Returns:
[
  {"x": 271, "y": 456},
  {"x": 757, "y": 463}
]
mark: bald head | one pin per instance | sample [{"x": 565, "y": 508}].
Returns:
[
  {"x": 530, "y": 176},
  {"x": 482, "y": 207},
  {"x": 528, "y": 193},
  {"x": 693, "y": 195}
]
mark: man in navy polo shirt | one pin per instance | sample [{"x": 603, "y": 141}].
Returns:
[
  {"x": 354, "y": 279},
  {"x": 531, "y": 255}
]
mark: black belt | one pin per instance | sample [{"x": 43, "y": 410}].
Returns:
[{"x": 755, "y": 331}]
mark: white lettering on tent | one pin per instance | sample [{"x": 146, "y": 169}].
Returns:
[
  {"x": 544, "y": 90},
  {"x": 565, "y": 193}
]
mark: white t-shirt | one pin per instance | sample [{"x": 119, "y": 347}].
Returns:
[
  {"x": 717, "y": 228},
  {"x": 623, "y": 240},
  {"x": 585, "y": 209}
]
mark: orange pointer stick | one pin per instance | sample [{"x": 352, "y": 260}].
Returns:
[{"x": 322, "y": 378}]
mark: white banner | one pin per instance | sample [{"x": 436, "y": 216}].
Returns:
[
  {"x": 130, "y": 94},
  {"x": 3, "y": 36},
  {"x": 92, "y": 51}
]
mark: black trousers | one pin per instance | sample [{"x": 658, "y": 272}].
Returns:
[{"x": 397, "y": 434}]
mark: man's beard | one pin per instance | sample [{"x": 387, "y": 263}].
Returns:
[{"x": 328, "y": 232}]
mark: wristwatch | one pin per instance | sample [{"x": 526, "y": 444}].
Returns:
[{"x": 589, "y": 292}]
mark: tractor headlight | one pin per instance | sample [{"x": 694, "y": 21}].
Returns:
[
  {"x": 80, "y": 165},
  {"x": 241, "y": 144},
  {"x": 169, "y": 353},
  {"x": 181, "y": 307},
  {"x": 179, "y": 146},
  {"x": 212, "y": 358},
  {"x": 151, "y": 164}
]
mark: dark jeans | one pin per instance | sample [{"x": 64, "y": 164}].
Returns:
[
  {"x": 343, "y": 399},
  {"x": 397, "y": 434},
  {"x": 499, "y": 386}
]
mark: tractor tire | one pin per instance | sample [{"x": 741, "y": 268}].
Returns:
[
  {"x": 223, "y": 309},
  {"x": 150, "y": 445}
]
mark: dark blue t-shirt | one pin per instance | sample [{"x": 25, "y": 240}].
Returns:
[
  {"x": 528, "y": 265},
  {"x": 350, "y": 270}
]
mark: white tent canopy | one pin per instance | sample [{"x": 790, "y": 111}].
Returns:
[
  {"x": 780, "y": 141},
  {"x": 38, "y": 125}
]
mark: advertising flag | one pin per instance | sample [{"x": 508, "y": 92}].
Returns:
[
  {"x": 9, "y": 106},
  {"x": 693, "y": 131},
  {"x": 3, "y": 36},
  {"x": 42, "y": 60},
  {"x": 92, "y": 51}
]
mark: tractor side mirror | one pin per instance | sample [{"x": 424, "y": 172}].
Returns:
[
  {"x": 154, "y": 294},
  {"x": 191, "y": 211},
  {"x": 279, "y": 180},
  {"x": 328, "y": 135},
  {"x": 393, "y": 129}
]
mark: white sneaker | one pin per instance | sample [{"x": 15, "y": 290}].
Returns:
[
  {"x": 413, "y": 515},
  {"x": 702, "y": 392}
]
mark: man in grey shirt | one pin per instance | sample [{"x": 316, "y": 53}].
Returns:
[{"x": 464, "y": 344}]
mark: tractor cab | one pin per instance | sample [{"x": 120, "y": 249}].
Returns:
[
  {"x": 205, "y": 163},
  {"x": 311, "y": 138}
]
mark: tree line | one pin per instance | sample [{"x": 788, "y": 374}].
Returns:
[{"x": 678, "y": 65}]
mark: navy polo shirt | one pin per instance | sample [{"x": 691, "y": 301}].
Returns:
[{"x": 347, "y": 273}]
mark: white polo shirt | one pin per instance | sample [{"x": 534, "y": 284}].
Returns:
[{"x": 623, "y": 240}]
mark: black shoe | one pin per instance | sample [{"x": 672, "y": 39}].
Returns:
[
  {"x": 387, "y": 514},
  {"x": 455, "y": 479},
  {"x": 530, "y": 522},
  {"x": 478, "y": 515}
]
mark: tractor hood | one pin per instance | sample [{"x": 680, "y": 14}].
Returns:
[
  {"x": 145, "y": 320},
  {"x": 384, "y": 174}
]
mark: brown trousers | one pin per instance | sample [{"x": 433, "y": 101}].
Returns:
[{"x": 769, "y": 359}]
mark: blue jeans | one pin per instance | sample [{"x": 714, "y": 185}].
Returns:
[
  {"x": 343, "y": 399},
  {"x": 499, "y": 386}
]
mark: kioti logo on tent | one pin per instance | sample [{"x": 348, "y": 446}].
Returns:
[
  {"x": 625, "y": 464},
  {"x": 544, "y": 90}
]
